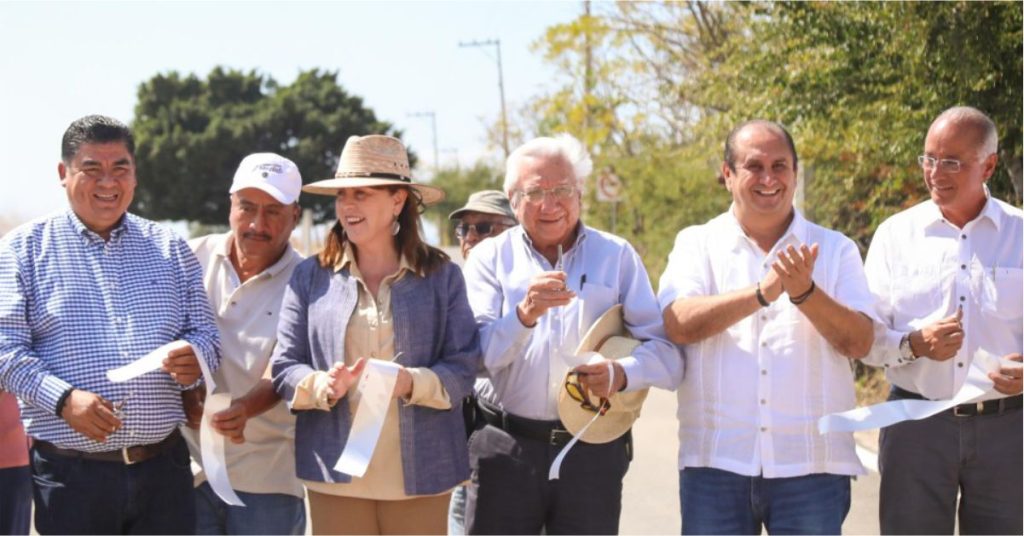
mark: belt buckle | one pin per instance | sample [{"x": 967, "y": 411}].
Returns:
[
  {"x": 127, "y": 459},
  {"x": 558, "y": 436},
  {"x": 961, "y": 410}
]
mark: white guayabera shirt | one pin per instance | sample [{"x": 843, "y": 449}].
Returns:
[
  {"x": 921, "y": 268},
  {"x": 753, "y": 394}
]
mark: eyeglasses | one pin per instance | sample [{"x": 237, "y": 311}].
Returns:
[
  {"x": 536, "y": 195},
  {"x": 579, "y": 393},
  {"x": 483, "y": 229},
  {"x": 946, "y": 165}
]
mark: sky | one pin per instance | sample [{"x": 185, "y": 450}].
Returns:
[{"x": 65, "y": 60}]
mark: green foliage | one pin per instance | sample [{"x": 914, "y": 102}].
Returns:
[
  {"x": 191, "y": 134},
  {"x": 458, "y": 184},
  {"x": 653, "y": 89}
]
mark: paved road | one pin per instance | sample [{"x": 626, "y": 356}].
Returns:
[{"x": 650, "y": 502}]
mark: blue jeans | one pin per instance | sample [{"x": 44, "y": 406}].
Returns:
[
  {"x": 263, "y": 513},
  {"x": 77, "y": 496},
  {"x": 15, "y": 500},
  {"x": 713, "y": 501}
]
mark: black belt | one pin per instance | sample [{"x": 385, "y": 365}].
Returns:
[
  {"x": 126, "y": 455},
  {"x": 550, "y": 432},
  {"x": 988, "y": 407}
]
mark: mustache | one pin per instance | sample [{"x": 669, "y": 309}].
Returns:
[{"x": 256, "y": 236}]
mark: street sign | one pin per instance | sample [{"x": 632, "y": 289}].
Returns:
[{"x": 609, "y": 186}]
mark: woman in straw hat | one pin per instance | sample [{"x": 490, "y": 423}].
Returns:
[{"x": 377, "y": 292}]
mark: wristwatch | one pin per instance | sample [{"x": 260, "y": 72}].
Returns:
[{"x": 906, "y": 352}]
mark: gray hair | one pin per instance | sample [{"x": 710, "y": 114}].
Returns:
[
  {"x": 975, "y": 119},
  {"x": 563, "y": 146}
]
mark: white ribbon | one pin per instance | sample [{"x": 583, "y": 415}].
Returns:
[
  {"x": 556, "y": 466},
  {"x": 977, "y": 387},
  {"x": 375, "y": 389},
  {"x": 211, "y": 441},
  {"x": 212, "y": 446}
]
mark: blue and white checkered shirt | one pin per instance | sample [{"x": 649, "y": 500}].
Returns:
[{"x": 73, "y": 306}]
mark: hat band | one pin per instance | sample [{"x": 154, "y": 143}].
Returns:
[{"x": 371, "y": 175}]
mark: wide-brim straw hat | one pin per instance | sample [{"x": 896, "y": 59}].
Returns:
[
  {"x": 607, "y": 336},
  {"x": 374, "y": 160}
]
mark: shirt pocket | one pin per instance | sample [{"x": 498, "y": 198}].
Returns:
[
  {"x": 594, "y": 301},
  {"x": 1003, "y": 295}
]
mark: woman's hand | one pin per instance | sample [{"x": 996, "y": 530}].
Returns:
[
  {"x": 342, "y": 378},
  {"x": 403, "y": 384}
]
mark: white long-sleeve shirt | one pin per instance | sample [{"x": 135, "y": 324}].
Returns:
[
  {"x": 921, "y": 268},
  {"x": 753, "y": 393},
  {"x": 526, "y": 366}
]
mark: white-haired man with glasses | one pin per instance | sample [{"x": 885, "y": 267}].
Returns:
[
  {"x": 946, "y": 275},
  {"x": 535, "y": 289}
]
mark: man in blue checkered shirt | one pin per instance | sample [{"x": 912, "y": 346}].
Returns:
[{"x": 88, "y": 290}]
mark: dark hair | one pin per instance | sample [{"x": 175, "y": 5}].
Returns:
[
  {"x": 95, "y": 129},
  {"x": 730, "y": 140},
  {"x": 410, "y": 244}
]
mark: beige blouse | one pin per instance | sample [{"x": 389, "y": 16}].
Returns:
[{"x": 370, "y": 333}]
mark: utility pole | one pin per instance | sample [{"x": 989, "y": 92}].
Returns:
[
  {"x": 433, "y": 126},
  {"x": 501, "y": 86}
]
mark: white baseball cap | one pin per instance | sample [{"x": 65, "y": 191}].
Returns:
[{"x": 271, "y": 173}]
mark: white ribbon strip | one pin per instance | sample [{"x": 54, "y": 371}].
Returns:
[
  {"x": 375, "y": 389},
  {"x": 977, "y": 387},
  {"x": 212, "y": 443},
  {"x": 556, "y": 466}
]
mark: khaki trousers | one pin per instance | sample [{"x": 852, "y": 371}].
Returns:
[{"x": 331, "y": 514}]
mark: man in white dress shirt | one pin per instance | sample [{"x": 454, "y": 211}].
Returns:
[
  {"x": 535, "y": 289},
  {"x": 947, "y": 277},
  {"x": 770, "y": 308}
]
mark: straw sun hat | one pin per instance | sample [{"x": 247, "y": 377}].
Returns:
[
  {"x": 608, "y": 337},
  {"x": 373, "y": 160}
]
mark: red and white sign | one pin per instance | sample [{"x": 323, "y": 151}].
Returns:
[{"x": 609, "y": 186}]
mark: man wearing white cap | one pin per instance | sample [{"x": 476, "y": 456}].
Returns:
[{"x": 245, "y": 272}]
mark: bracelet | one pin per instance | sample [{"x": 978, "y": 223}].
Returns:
[
  {"x": 803, "y": 297},
  {"x": 62, "y": 401},
  {"x": 760, "y": 297}
]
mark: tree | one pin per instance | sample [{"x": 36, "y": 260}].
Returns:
[{"x": 191, "y": 133}]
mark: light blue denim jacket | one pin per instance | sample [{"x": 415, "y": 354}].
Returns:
[{"x": 434, "y": 328}]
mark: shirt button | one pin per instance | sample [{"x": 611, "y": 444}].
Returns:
[
  {"x": 764, "y": 428},
  {"x": 963, "y": 236},
  {"x": 963, "y": 266},
  {"x": 962, "y": 298},
  {"x": 764, "y": 317},
  {"x": 764, "y": 372},
  {"x": 234, "y": 303},
  {"x": 960, "y": 364},
  {"x": 764, "y": 344},
  {"x": 763, "y": 401}
]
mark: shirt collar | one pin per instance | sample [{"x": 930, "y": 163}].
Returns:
[
  {"x": 348, "y": 259},
  {"x": 932, "y": 215},
  {"x": 796, "y": 233},
  {"x": 92, "y": 236},
  {"x": 581, "y": 235},
  {"x": 223, "y": 250}
]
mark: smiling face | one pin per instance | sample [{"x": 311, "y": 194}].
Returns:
[
  {"x": 100, "y": 184},
  {"x": 368, "y": 214},
  {"x": 261, "y": 226},
  {"x": 764, "y": 181},
  {"x": 551, "y": 219},
  {"x": 961, "y": 195}
]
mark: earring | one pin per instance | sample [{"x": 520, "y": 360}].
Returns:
[{"x": 396, "y": 227}]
